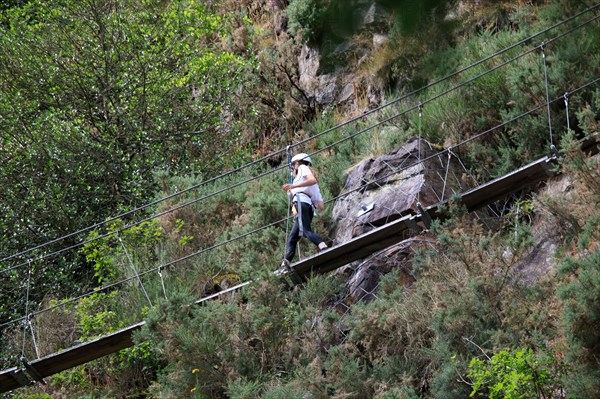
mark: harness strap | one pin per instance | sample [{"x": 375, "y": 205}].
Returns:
[
  {"x": 300, "y": 224},
  {"x": 298, "y": 198}
]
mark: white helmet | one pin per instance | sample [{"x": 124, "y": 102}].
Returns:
[{"x": 301, "y": 157}]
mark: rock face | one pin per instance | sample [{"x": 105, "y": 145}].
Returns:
[
  {"x": 393, "y": 185},
  {"x": 380, "y": 190},
  {"x": 323, "y": 75},
  {"x": 547, "y": 233},
  {"x": 364, "y": 278},
  {"x": 329, "y": 88}
]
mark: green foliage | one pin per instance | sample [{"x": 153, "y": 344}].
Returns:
[
  {"x": 75, "y": 377},
  {"x": 306, "y": 18},
  {"x": 509, "y": 91},
  {"x": 108, "y": 254},
  {"x": 520, "y": 218},
  {"x": 197, "y": 341},
  {"x": 267, "y": 202},
  {"x": 252, "y": 352},
  {"x": 261, "y": 251},
  {"x": 96, "y": 315},
  {"x": 518, "y": 374},
  {"x": 244, "y": 389},
  {"x": 348, "y": 376},
  {"x": 580, "y": 294},
  {"x": 587, "y": 117},
  {"x": 94, "y": 98},
  {"x": 284, "y": 391},
  {"x": 398, "y": 393}
]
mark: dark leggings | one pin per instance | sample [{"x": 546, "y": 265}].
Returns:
[{"x": 292, "y": 241}]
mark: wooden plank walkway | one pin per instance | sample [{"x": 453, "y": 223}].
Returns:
[
  {"x": 85, "y": 351},
  {"x": 68, "y": 358},
  {"x": 526, "y": 176},
  {"x": 358, "y": 248},
  {"x": 13, "y": 378}
]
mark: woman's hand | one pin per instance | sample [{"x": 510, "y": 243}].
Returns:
[{"x": 320, "y": 205}]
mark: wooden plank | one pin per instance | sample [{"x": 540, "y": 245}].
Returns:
[
  {"x": 500, "y": 187},
  {"x": 358, "y": 248},
  {"x": 85, "y": 352},
  {"x": 12, "y": 379},
  {"x": 510, "y": 183},
  {"x": 225, "y": 291}
]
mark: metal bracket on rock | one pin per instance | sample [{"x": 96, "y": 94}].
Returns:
[{"x": 365, "y": 209}]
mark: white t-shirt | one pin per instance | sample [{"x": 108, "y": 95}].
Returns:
[{"x": 313, "y": 193}]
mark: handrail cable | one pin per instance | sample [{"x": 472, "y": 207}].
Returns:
[
  {"x": 543, "y": 48},
  {"x": 135, "y": 271},
  {"x": 229, "y": 173},
  {"x": 26, "y": 317}
]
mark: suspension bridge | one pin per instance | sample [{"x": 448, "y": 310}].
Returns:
[{"x": 399, "y": 226}]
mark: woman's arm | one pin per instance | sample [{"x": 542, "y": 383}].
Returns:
[{"x": 309, "y": 180}]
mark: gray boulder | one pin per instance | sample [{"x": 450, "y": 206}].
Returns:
[{"x": 383, "y": 189}]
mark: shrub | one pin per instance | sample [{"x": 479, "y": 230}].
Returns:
[
  {"x": 306, "y": 18},
  {"x": 580, "y": 294},
  {"x": 513, "y": 374}
]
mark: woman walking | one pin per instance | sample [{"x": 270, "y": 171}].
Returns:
[{"x": 306, "y": 196}]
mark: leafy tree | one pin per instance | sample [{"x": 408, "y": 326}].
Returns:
[{"x": 95, "y": 96}]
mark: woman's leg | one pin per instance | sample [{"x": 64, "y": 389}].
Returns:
[
  {"x": 307, "y": 217},
  {"x": 292, "y": 241}
]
